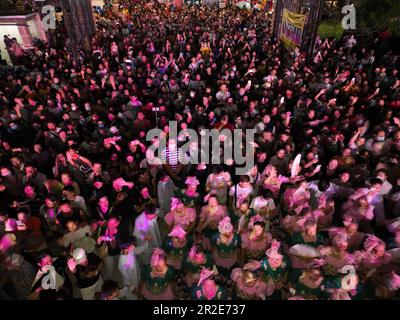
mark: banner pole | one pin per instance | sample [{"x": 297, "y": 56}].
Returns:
[{"x": 317, "y": 19}]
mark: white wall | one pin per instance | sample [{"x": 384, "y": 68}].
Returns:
[{"x": 33, "y": 28}]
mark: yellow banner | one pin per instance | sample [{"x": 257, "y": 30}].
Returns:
[{"x": 292, "y": 28}]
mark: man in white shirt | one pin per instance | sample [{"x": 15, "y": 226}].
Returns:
[
  {"x": 263, "y": 203},
  {"x": 242, "y": 191}
]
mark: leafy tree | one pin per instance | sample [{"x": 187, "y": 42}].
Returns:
[
  {"x": 7, "y": 5},
  {"x": 380, "y": 14}
]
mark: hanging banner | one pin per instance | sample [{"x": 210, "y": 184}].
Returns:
[{"x": 292, "y": 28}]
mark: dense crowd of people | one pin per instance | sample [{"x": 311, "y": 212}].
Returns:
[{"x": 85, "y": 213}]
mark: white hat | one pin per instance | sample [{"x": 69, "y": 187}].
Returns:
[
  {"x": 79, "y": 255},
  {"x": 114, "y": 130},
  {"x": 304, "y": 251}
]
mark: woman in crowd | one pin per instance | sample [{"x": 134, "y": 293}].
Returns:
[
  {"x": 274, "y": 269},
  {"x": 210, "y": 217},
  {"x": 308, "y": 234},
  {"x": 207, "y": 288},
  {"x": 176, "y": 246},
  {"x": 158, "y": 278},
  {"x": 180, "y": 215},
  {"x": 196, "y": 260},
  {"x": 336, "y": 256},
  {"x": 190, "y": 196},
  {"x": 373, "y": 257},
  {"x": 308, "y": 284},
  {"x": 247, "y": 284},
  {"x": 225, "y": 247},
  {"x": 255, "y": 239}
]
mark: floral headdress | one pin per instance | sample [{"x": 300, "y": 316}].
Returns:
[
  {"x": 225, "y": 226},
  {"x": 157, "y": 256}
]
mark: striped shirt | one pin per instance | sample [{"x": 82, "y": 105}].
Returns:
[{"x": 172, "y": 157}]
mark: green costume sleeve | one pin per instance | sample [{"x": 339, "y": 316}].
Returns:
[{"x": 296, "y": 239}]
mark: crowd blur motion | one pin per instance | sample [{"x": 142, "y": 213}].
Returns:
[{"x": 85, "y": 215}]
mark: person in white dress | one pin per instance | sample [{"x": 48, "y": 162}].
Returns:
[
  {"x": 129, "y": 267},
  {"x": 147, "y": 230},
  {"x": 165, "y": 191}
]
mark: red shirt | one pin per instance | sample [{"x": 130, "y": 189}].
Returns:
[{"x": 226, "y": 126}]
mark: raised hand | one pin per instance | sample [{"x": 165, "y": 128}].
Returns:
[
  {"x": 227, "y": 176},
  {"x": 252, "y": 265},
  {"x": 71, "y": 265}
]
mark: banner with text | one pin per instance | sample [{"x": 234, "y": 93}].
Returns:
[{"x": 292, "y": 28}]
